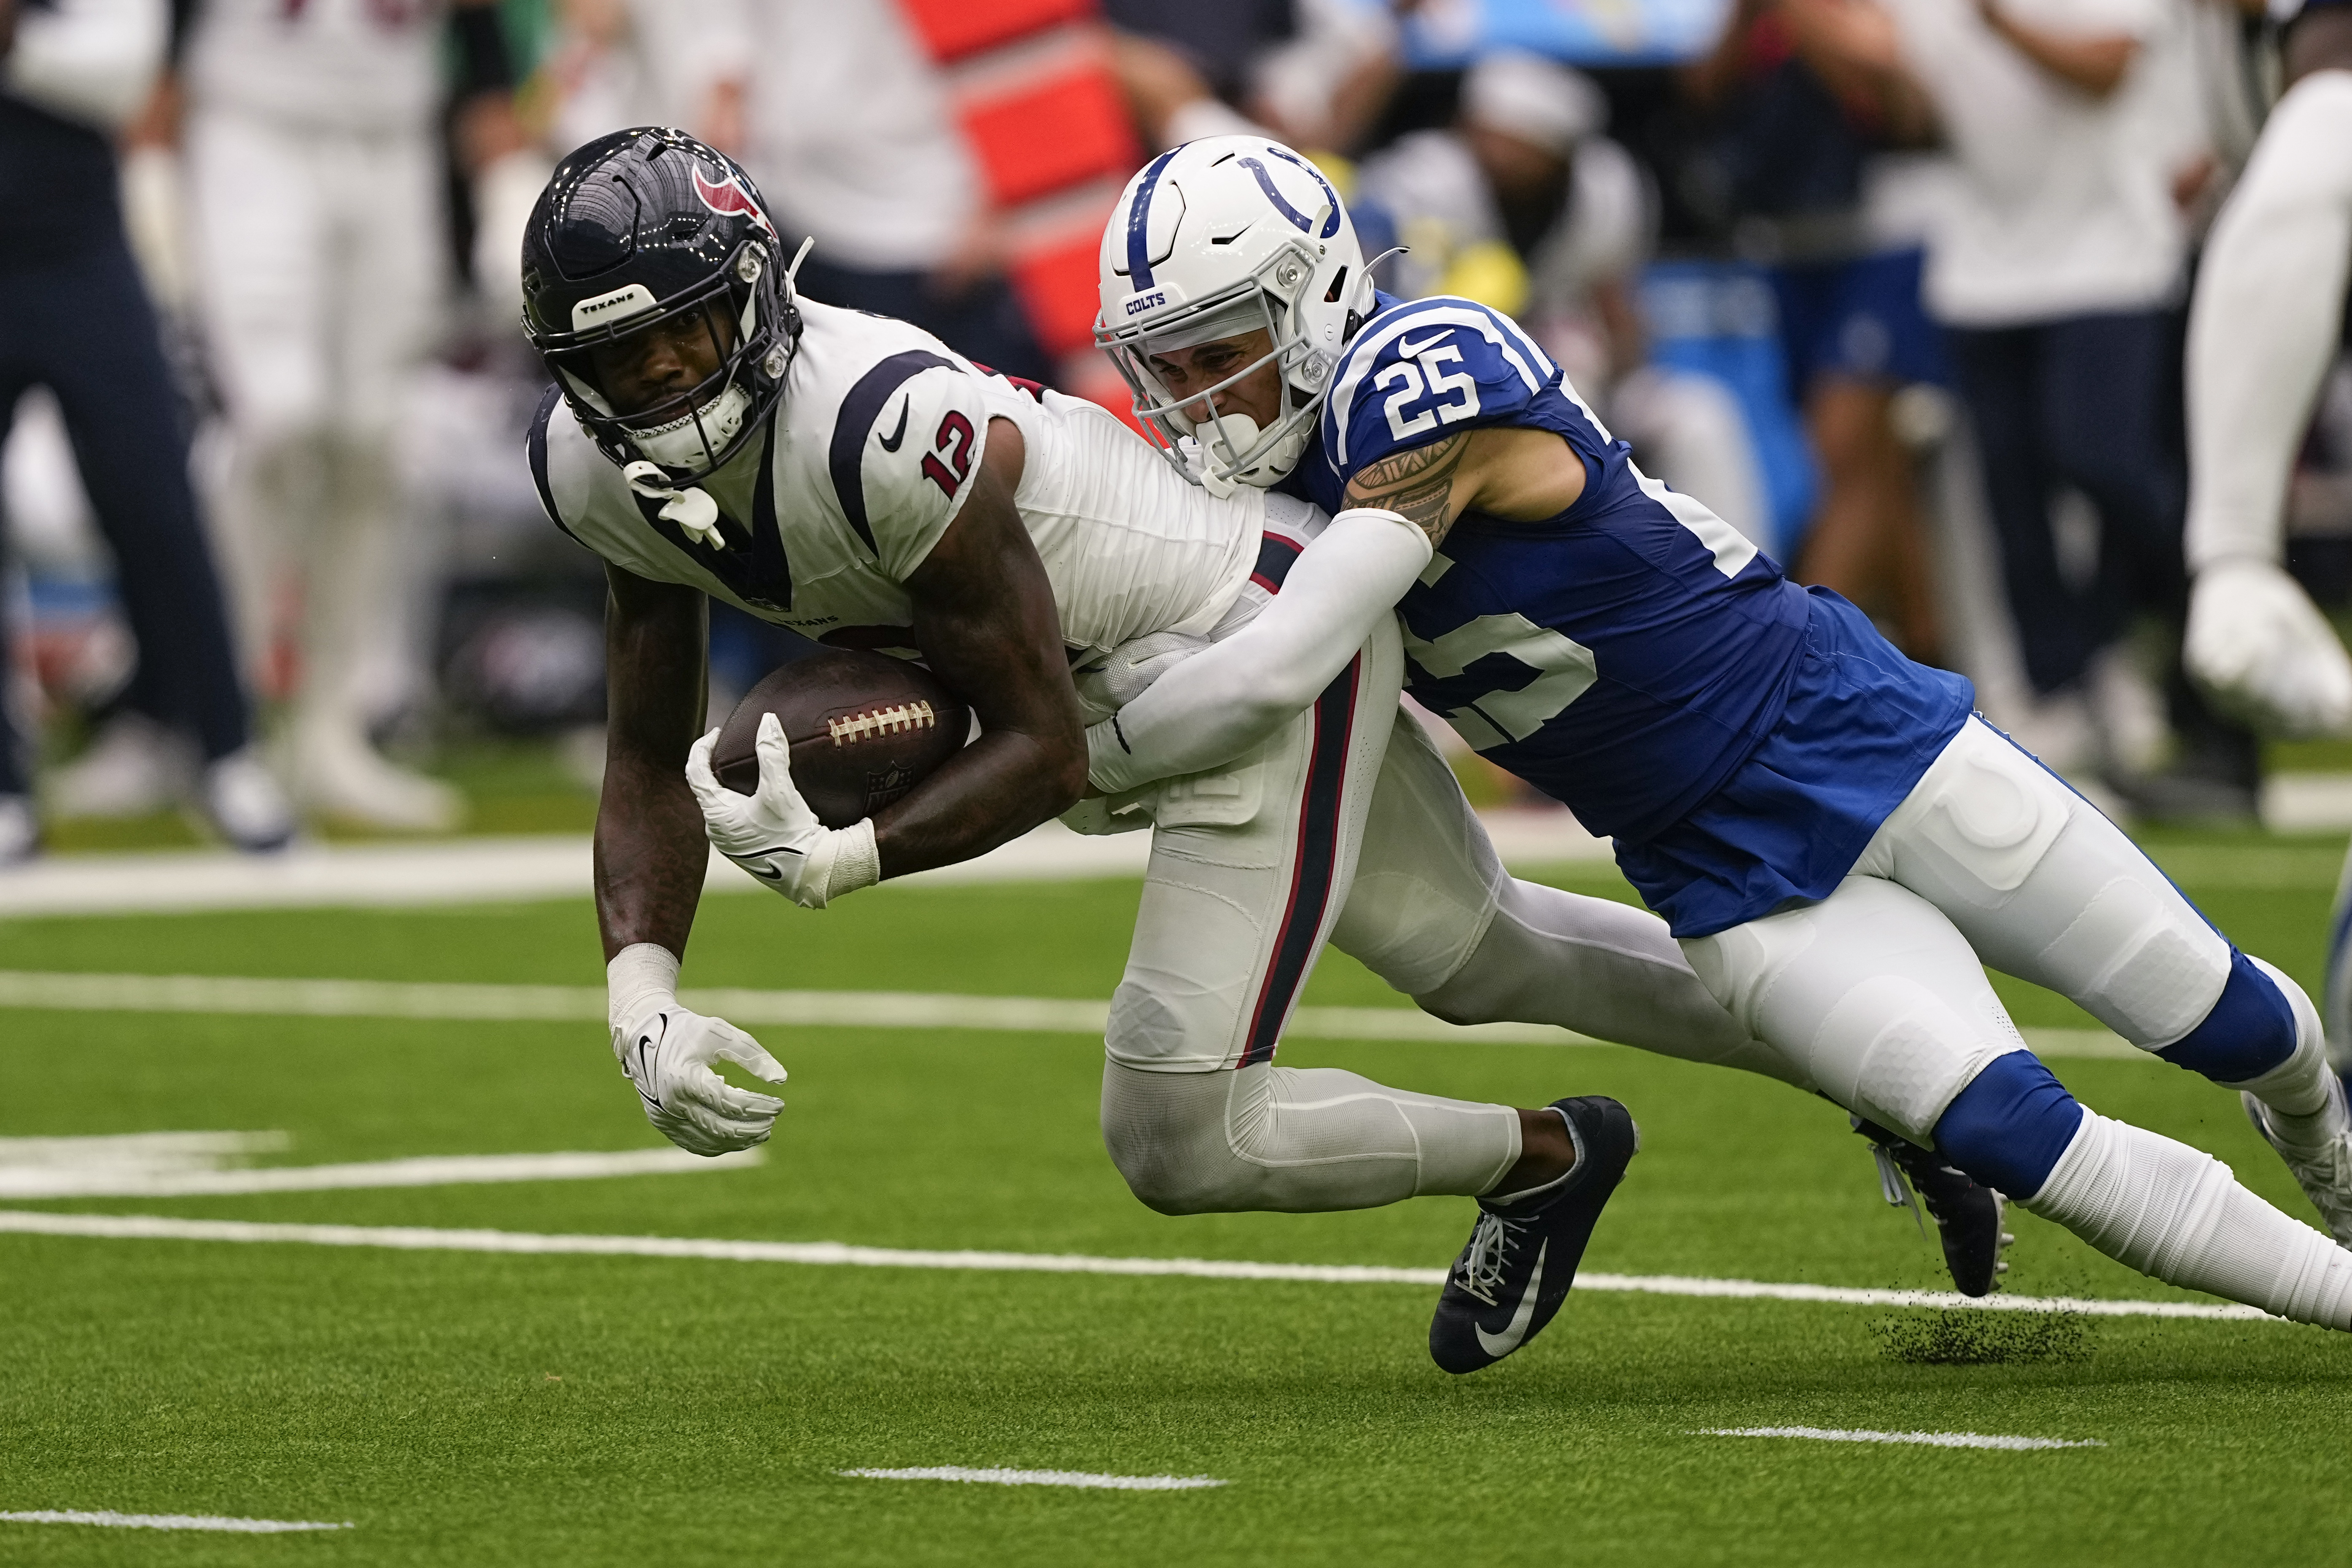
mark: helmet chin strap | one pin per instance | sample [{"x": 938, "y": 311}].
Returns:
[{"x": 1236, "y": 434}]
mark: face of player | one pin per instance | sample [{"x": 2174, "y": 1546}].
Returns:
[
  {"x": 1186, "y": 371},
  {"x": 664, "y": 362}
]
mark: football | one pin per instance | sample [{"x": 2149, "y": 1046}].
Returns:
[{"x": 865, "y": 729}]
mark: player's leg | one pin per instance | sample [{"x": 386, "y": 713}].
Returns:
[
  {"x": 2336, "y": 1006},
  {"x": 257, "y": 232},
  {"x": 1434, "y": 912},
  {"x": 2046, "y": 888},
  {"x": 363, "y": 568},
  {"x": 1250, "y": 869},
  {"x": 1877, "y": 994}
]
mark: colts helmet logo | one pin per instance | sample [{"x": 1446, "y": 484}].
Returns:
[{"x": 730, "y": 196}]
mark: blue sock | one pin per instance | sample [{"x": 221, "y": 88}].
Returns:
[
  {"x": 2009, "y": 1127},
  {"x": 2250, "y": 1030}
]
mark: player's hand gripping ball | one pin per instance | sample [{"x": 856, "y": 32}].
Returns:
[
  {"x": 788, "y": 785},
  {"x": 667, "y": 1055}
]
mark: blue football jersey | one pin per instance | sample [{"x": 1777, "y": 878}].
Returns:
[
  {"x": 1623, "y": 656},
  {"x": 1628, "y": 655}
]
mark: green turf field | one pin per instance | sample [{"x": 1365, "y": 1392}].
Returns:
[{"x": 484, "y": 1409}]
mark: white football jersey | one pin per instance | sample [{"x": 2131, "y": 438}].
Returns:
[
  {"x": 371, "y": 66},
  {"x": 840, "y": 497}
]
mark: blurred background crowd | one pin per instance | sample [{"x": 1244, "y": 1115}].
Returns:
[{"x": 1895, "y": 286}]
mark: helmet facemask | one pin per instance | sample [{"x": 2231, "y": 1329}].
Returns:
[
  {"x": 1227, "y": 449},
  {"x": 691, "y": 433}
]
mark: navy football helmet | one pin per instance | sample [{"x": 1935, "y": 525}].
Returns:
[{"x": 648, "y": 227}]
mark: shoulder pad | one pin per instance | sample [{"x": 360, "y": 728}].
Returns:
[
  {"x": 1422, "y": 367},
  {"x": 904, "y": 445}
]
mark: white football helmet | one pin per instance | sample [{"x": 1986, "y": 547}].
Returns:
[{"x": 1215, "y": 238}]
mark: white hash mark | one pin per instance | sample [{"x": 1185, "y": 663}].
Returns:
[
  {"x": 171, "y": 1521},
  {"x": 1042, "y": 1478},
  {"x": 1932, "y": 1439}
]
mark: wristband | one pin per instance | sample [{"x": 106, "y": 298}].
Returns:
[
  {"x": 856, "y": 863},
  {"x": 640, "y": 977}
]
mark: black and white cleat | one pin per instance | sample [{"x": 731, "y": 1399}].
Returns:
[
  {"x": 1968, "y": 1214},
  {"x": 1512, "y": 1277}
]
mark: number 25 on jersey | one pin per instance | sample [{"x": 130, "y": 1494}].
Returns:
[{"x": 1445, "y": 396}]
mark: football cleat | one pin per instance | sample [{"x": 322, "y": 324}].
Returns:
[
  {"x": 1512, "y": 1277},
  {"x": 2324, "y": 1171},
  {"x": 1968, "y": 1214},
  {"x": 244, "y": 804},
  {"x": 20, "y": 830}
]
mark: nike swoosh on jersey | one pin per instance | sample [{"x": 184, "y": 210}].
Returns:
[
  {"x": 1502, "y": 1344},
  {"x": 891, "y": 442},
  {"x": 1407, "y": 348}
]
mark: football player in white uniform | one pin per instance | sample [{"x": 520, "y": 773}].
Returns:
[
  {"x": 1838, "y": 846},
  {"x": 314, "y": 170},
  {"x": 847, "y": 476},
  {"x": 2266, "y": 324}
]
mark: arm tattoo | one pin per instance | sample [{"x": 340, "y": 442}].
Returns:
[{"x": 1417, "y": 484}]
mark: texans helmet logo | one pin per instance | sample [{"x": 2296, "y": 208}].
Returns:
[{"x": 730, "y": 196}]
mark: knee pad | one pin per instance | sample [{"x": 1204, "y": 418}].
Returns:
[
  {"x": 2156, "y": 969},
  {"x": 1166, "y": 1133},
  {"x": 2252, "y": 1028},
  {"x": 2009, "y": 1125}
]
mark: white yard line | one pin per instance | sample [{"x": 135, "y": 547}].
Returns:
[
  {"x": 555, "y": 866},
  {"x": 102, "y": 1180},
  {"x": 170, "y": 1521},
  {"x": 832, "y": 1009},
  {"x": 1932, "y": 1439},
  {"x": 1042, "y": 1478},
  {"x": 415, "y": 1238}
]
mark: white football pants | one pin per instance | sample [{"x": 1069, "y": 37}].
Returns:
[
  {"x": 319, "y": 272},
  {"x": 1878, "y": 993},
  {"x": 1348, "y": 826}
]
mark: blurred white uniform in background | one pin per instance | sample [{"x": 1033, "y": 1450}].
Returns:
[{"x": 313, "y": 169}]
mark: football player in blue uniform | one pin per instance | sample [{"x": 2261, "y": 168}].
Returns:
[{"x": 1837, "y": 843}]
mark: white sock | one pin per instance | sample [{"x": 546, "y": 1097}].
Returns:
[
  {"x": 2179, "y": 1216},
  {"x": 2304, "y": 1102}
]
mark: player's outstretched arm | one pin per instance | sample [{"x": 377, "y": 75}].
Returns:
[
  {"x": 984, "y": 618},
  {"x": 1204, "y": 710},
  {"x": 650, "y": 849},
  {"x": 650, "y": 858}
]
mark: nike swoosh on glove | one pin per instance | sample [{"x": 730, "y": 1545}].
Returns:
[
  {"x": 667, "y": 1056},
  {"x": 773, "y": 833},
  {"x": 2261, "y": 648}
]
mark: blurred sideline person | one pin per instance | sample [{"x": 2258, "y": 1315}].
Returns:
[
  {"x": 1525, "y": 206},
  {"x": 2057, "y": 272},
  {"x": 1317, "y": 73},
  {"x": 719, "y": 438},
  {"x": 1812, "y": 91},
  {"x": 849, "y": 131},
  {"x": 2264, "y": 331},
  {"x": 78, "y": 322},
  {"x": 1839, "y": 846},
  {"x": 314, "y": 170}
]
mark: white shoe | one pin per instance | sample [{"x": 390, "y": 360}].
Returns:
[
  {"x": 133, "y": 767},
  {"x": 243, "y": 802},
  {"x": 347, "y": 778},
  {"x": 2324, "y": 1172},
  {"x": 20, "y": 830}
]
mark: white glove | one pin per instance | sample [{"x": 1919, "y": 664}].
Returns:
[
  {"x": 1111, "y": 681},
  {"x": 773, "y": 835},
  {"x": 2263, "y": 650},
  {"x": 667, "y": 1051}
]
